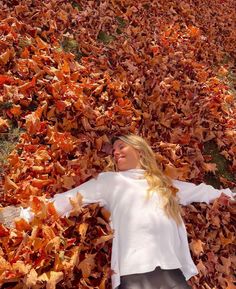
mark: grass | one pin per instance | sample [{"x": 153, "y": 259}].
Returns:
[
  {"x": 8, "y": 142},
  {"x": 211, "y": 148},
  {"x": 105, "y": 38},
  {"x": 72, "y": 46}
]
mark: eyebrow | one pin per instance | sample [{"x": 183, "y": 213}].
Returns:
[{"x": 120, "y": 144}]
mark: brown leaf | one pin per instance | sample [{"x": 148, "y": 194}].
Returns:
[
  {"x": 87, "y": 265},
  {"x": 197, "y": 247}
]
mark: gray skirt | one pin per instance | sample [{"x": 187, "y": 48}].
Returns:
[{"x": 157, "y": 279}]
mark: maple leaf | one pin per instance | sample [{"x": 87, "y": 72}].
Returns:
[
  {"x": 31, "y": 278},
  {"x": 9, "y": 184},
  {"x": 197, "y": 247},
  {"x": 210, "y": 167},
  {"x": 4, "y": 126},
  {"x": 54, "y": 278},
  {"x": 76, "y": 203},
  {"x": 87, "y": 265}
]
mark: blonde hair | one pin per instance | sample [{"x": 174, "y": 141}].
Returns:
[{"x": 157, "y": 181}]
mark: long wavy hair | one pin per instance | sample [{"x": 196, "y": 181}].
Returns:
[{"x": 158, "y": 182}]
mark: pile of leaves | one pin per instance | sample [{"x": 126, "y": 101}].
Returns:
[
  {"x": 75, "y": 252},
  {"x": 211, "y": 233},
  {"x": 74, "y": 73},
  {"x": 51, "y": 251}
]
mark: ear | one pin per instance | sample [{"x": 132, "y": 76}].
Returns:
[{"x": 140, "y": 154}]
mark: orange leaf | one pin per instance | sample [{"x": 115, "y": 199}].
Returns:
[
  {"x": 5, "y": 79},
  {"x": 9, "y": 184},
  {"x": 41, "y": 44},
  {"x": 13, "y": 159},
  {"x": 202, "y": 76},
  {"x": 4, "y": 58},
  {"x": 68, "y": 181},
  {"x": 223, "y": 71},
  {"x": 196, "y": 247},
  {"x": 106, "y": 214},
  {"x": 38, "y": 183},
  {"x": 65, "y": 67},
  {"x": 176, "y": 85},
  {"x": 25, "y": 53},
  {"x": 4, "y": 231},
  {"x": 194, "y": 31},
  {"x": 22, "y": 225},
  {"x": 30, "y": 84},
  {"x": 210, "y": 167},
  {"x": 16, "y": 110},
  {"x": 60, "y": 105},
  {"x": 51, "y": 210},
  {"x": 4, "y": 126}
]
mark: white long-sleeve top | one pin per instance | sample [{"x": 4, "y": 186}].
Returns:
[{"x": 144, "y": 237}]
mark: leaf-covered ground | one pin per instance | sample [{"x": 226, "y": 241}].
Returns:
[{"x": 73, "y": 73}]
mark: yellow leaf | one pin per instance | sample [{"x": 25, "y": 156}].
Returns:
[
  {"x": 4, "y": 126},
  {"x": 21, "y": 267},
  {"x": 67, "y": 182},
  {"x": 31, "y": 278},
  {"x": 76, "y": 204},
  {"x": 87, "y": 265},
  {"x": 54, "y": 278},
  {"x": 82, "y": 230},
  {"x": 196, "y": 247},
  {"x": 103, "y": 239}
]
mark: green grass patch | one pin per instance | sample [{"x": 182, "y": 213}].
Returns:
[
  {"x": 76, "y": 5},
  {"x": 8, "y": 142},
  {"x": 72, "y": 46},
  {"x": 223, "y": 170},
  {"x": 105, "y": 38}
]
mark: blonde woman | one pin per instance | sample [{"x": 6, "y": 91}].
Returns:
[{"x": 150, "y": 247}]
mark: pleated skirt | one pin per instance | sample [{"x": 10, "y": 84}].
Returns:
[{"x": 157, "y": 279}]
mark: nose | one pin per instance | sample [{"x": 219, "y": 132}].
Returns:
[{"x": 116, "y": 153}]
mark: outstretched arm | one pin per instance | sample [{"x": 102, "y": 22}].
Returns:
[
  {"x": 93, "y": 191},
  {"x": 189, "y": 192}
]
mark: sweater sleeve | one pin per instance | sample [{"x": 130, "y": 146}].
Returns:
[
  {"x": 93, "y": 191},
  {"x": 189, "y": 192}
]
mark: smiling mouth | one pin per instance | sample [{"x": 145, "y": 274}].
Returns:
[{"x": 118, "y": 159}]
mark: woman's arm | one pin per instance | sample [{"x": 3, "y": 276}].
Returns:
[
  {"x": 93, "y": 191},
  {"x": 189, "y": 192}
]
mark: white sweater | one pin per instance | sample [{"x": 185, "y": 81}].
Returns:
[{"x": 144, "y": 237}]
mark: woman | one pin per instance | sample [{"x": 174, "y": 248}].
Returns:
[{"x": 150, "y": 247}]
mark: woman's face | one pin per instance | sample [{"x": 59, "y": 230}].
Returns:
[{"x": 125, "y": 156}]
